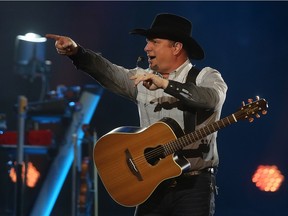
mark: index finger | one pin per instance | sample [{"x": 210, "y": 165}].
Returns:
[{"x": 53, "y": 36}]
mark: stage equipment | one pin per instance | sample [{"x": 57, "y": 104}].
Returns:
[
  {"x": 64, "y": 159},
  {"x": 69, "y": 109},
  {"x": 30, "y": 59}
]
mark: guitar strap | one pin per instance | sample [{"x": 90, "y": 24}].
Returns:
[{"x": 190, "y": 114}]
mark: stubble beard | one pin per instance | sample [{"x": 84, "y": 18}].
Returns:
[{"x": 154, "y": 67}]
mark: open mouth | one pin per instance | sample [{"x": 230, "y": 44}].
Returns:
[{"x": 151, "y": 58}]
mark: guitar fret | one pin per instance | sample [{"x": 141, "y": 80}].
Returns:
[
  {"x": 202, "y": 131},
  {"x": 208, "y": 129},
  {"x": 166, "y": 149},
  {"x": 196, "y": 134},
  {"x": 170, "y": 148},
  {"x": 216, "y": 126},
  {"x": 180, "y": 141},
  {"x": 228, "y": 120},
  {"x": 223, "y": 124},
  {"x": 211, "y": 128},
  {"x": 199, "y": 135},
  {"x": 188, "y": 140},
  {"x": 176, "y": 147}
]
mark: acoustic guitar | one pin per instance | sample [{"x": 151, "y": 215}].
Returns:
[{"x": 132, "y": 161}]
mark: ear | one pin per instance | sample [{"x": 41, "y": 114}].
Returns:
[{"x": 178, "y": 46}]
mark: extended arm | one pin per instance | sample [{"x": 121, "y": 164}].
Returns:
[{"x": 110, "y": 76}]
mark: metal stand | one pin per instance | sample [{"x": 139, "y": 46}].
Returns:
[
  {"x": 22, "y": 104},
  {"x": 96, "y": 207},
  {"x": 75, "y": 171}
]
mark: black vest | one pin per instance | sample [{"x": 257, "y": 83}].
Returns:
[{"x": 193, "y": 117}]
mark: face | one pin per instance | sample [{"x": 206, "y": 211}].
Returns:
[{"x": 161, "y": 54}]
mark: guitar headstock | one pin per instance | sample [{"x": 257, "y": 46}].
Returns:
[{"x": 251, "y": 109}]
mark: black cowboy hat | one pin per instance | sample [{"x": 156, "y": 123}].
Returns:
[{"x": 176, "y": 28}]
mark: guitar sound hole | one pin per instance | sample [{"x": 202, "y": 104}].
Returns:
[{"x": 153, "y": 155}]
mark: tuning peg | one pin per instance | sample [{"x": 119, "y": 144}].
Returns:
[
  {"x": 257, "y": 115},
  {"x": 257, "y": 97},
  {"x": 243, "y": 103},
  {"x": 264, "y": 112},
  {"x": 250, "y": 100},
  {"x": 251, "y": 119}
]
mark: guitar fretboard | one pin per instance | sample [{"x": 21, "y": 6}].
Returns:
[{"x": 190, "y": 138}]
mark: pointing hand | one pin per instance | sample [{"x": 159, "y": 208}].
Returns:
[{"x": 64, "y": 45}]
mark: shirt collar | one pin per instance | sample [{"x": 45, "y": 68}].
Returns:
[{"x": 178, "y": 71}]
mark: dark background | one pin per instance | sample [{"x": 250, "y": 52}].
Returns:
[{"x": 246, "y": 41}]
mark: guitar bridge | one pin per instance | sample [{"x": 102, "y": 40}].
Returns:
[{"x": 132, "y": 166}]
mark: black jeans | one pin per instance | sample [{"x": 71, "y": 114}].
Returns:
[{"x": 183, "y": 196}]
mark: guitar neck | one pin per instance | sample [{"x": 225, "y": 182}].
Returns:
[{"x": 180, "y": 143}]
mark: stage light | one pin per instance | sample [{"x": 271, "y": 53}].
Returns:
[
  {"x": 32, "y": 175},
  {"x": 32, "y": 37},
  {"x": 30, "y": 59},
  {"x": 268, "y": 178},
  {"x": 30, "y": 54}
]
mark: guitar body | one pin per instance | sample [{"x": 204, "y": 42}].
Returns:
[
  {"x": 128, "y": 169},
  {"x": 132, "y": 162}
]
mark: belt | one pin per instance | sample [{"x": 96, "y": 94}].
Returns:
[
  {"x": 185, "y": 176},
  {"x": 198, "y": 172}
]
